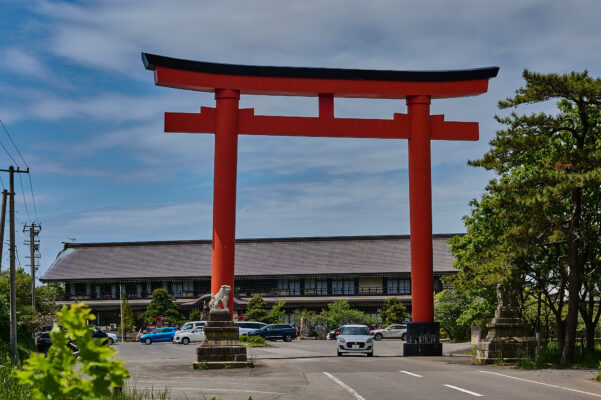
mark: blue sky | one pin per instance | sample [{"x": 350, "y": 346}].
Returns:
[{"x": 89, "y": 121}]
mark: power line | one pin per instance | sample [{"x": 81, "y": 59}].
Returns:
[
  {"x": 24, "y": 201},
  {"x": 35, "y": 210},
  {"x": 11, "y": 157},
  {"x": 13, "y": 142}
]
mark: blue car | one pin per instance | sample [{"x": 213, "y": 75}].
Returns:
[{"x": 159, "y": 335}]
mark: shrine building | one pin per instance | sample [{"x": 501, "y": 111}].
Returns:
[{"x": 305, "y": 273}]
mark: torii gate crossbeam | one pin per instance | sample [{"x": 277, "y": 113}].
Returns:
[{"x": 226, "y": 120}]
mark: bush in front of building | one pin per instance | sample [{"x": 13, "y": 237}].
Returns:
[
  {"x": 393, "y": 312},
  {"x": 162, "y": 305}
]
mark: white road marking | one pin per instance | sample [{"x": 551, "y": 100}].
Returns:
[
  {"x": 348, "y": 388},
  {"x": 464, "y": 390},
  {"x": 542, "y": 383},
  {"x": 412, "y": 374}
]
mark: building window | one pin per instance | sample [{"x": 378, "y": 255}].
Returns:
[
  {"x": 188, "y": 289},
  {"x": 288, "y": 288},
  {"x": 343, "y": 287},
  {"x": 398, "y": 286},
  {"x": 322, "y": 288},
  {"x": 309, "y": 288},
  {"x": 176, "y": 289}
]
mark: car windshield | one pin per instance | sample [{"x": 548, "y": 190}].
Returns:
[{"x": 354, "y": 330}]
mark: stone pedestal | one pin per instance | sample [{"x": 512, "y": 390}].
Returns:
[
  {"x": 221, "y": 347},
  {"x": 423, "y": 339},
  {"x": 507, "y": 337}
]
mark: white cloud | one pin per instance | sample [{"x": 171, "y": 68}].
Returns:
[{"x": 22, "y": 63}]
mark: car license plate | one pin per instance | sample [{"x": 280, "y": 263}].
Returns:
[{"x": 356, "y": 346}]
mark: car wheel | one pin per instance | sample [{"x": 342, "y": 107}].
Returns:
[
  {"x": 111, "y": 341},
  {"x": 370, "y": 354},
  {"x": 339, "y": 354},
  {"x": 378, "y": 336},
  {"x": 288, "y": 338},
  {"x": 185, "y": 341},
  {"x": 404, "y": 336},
  {"x": 148, "y": 340}
]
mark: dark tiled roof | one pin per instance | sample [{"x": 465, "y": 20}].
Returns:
[{"x": 254, "y": 257}]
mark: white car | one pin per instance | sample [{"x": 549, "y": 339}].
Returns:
[
  {"x": 112, "y": 338},
  {"x": 195, "y": 335},
  {"x": 397, "y": 331},
  {"x": 247, "y": 326},
  {"x": 188, "y": 326},
  {"x": 355, "y": 339}
]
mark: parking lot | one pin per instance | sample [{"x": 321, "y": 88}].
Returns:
[{"x": 311, "y": 370}]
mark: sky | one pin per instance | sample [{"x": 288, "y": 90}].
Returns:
[{"x": 88, "y": 119}]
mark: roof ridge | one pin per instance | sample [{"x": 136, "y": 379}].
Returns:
[{"x": 257, "y": 240}]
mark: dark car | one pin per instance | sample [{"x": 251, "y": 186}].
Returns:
[
  {"x": 285, "y": 332},
  {"x": 159, "y": 335},
  {"x": 333, "y": 334},
  {"x": 43, "y": 341}
]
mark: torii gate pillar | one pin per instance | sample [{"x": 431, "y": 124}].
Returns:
[{"x": 227, "y": 121}]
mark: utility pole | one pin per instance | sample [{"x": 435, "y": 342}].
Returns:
[
  {"x": 34, "y": 246},
  {"x": 2, "y": 221},
  {"x": 13, "y": 273}
]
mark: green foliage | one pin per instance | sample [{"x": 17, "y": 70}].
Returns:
[
  {"x": 128, "y": 316},
  {"x": 257, "y": 310},
  {"x": 277, "y": 313},
  {"x": 537, "y": 225},
  {"x": 254, "y": 341},
  {"x": 60, "y": 375},
  {"x": 393, "y": 312},
  {"x": 598, "y": 377},
  {"x": 450, "y": 304},
  {"x": 10, "y": 389},
  {"x": 162, "y": 305},
  {"x": 340, "y": 313},
  {"x": 195, "y": 315}
]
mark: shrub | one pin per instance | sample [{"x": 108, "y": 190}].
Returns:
[
  {"x": 253, "y": 341},
  {"x": 58, "y": 375}
]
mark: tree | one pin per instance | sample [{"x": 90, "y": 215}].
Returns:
[
  {"x": 450, "y": 304},
  {"x": 550, "y": 174},
  {"x": 393, "y": 312},
  {"x": 256, "y": 310},
  {"x": 277, "y": 313},
  {"x": 128, "y": 316},
  {"x": 162, "y": 305},
  {"x": 340, "y": 313},
  {"x": 195, "y": 315}
]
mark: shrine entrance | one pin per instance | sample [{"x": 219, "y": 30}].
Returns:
[{"x": 227, "y": 121}]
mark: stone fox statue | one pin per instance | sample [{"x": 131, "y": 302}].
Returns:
[{"x": 221, "y": 297}]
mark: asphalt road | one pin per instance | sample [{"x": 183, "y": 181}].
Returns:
[{"x": 311, "y": 370}]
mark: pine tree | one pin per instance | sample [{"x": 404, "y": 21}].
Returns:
[
  {"x": 162, "y": 305},
  {"x": 550, "y": 173},
  {"x": 393, "y": 312},
  {"x": 128, "y": 316}
]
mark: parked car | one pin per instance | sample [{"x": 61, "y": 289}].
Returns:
[
  {"x": 333, "y": 334},
  {"x": 244, "y": 327},
  {"x": 355, "y": 339},
  {"x": 188, "y": 326},
  {"x": 158, "y": 335},
  {"x": 112, "y": 338},
  {"x": 397, "y": 331},
  {"x": 43, "y": 342},
  {"x": 195, "y": 335},
  {"x": 285, "y": 332}
]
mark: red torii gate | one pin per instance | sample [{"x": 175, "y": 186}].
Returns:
[{"x": 228, "y": 81}]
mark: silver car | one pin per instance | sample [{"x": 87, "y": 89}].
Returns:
[
  {"x": 397, "y": 331},
  {"x": 355, "y": 339}
]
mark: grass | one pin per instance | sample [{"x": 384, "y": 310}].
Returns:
[
  {"x": 550, "y": 357},
  {"x": 254, "y": 341}
]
